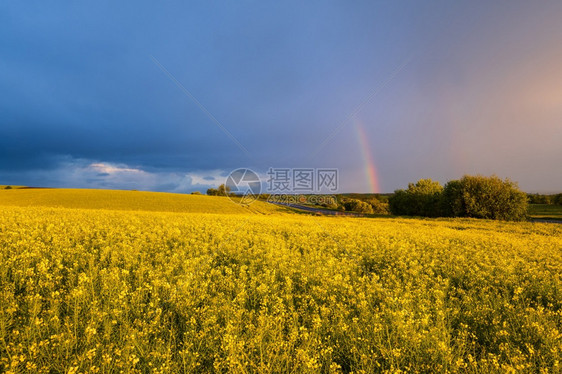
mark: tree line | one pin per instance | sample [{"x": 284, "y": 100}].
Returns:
[
  {"x": 471, "y": 196},
  {"x": 223, "y": 190},
  {"x": 535, "y": 198}
]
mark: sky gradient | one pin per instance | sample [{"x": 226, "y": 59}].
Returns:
[{"x": 139, "y": 95}]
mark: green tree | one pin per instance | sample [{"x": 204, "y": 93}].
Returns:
[
  {"x": 420, "y": 199},
  {"x": 358, "y": 206},
  {"x": 223, "y": 190},
  {"x": 535, "y": 198},
  {"x": 452, "y": 204},
  {"x": 378, "y": 206},
  {"x": 399, "y": 204},
  {"x": 485, "y": 197}
]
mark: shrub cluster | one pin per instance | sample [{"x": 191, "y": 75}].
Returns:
[
  {"x": 370, "y": 206},
  {"x": 420, "y": 199},
  {"x": 379, "y": 207},
  {"x": 471, "y": 196},
  {"x": 223, "y": 190},
  {"x": 355, "y": 205}
]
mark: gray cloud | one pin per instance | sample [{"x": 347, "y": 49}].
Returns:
[{"x": 77, "y": 87}]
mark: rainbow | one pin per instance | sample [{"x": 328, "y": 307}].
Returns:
[{"x": 370, "y": 168}]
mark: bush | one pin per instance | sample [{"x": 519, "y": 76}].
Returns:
[
  {"x": 382, "y": 198},
  {"x": 378, "y": 206},
  {"x": 196, "y": 193},
  {"x": 484, "y": 197},
  {"x": 330, "y": 205},
  {"x": 358, "y": 206},
  {"x": 420, "y": 199},
  {"x": 8, "y": 187},
  {"x": 471, "y": 196},
  {"x": 223, "y": 190}
]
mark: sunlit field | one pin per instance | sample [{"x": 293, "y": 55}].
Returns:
[
  {"x": 131, "y": 200},
  {"x": 156, "y": 284}
]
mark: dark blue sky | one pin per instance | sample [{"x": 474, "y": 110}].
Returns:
[{"x": 454, "y": 87}]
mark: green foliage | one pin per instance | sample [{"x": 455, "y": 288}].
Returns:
[
  {"x": 471, "y": 196},
  {"x": 536, "y": 198},
  {"x": 330, "y": 203},
  {"x": 420, "y": 199},
  {"x": 223, "y": 190},
  {"x": 452, "y": 204},
  {"x": 378, "y": 206},
  {"x": 484, "y": 197},
  {"x": 399, "y": 203},
  {"x": 196, "y": 193},
  {"x": 557, "y": 199},
  {"x": 383, "y": 198},
  {"x": 358, "y": 206},
  {"x": 8, "y": 187}
]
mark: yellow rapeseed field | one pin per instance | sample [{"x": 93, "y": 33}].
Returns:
[
  {"x": 174, "y": 290},
  {"x": 130, "y": 200}
]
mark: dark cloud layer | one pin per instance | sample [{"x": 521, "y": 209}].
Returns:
[{"x": 481, "y": 92}]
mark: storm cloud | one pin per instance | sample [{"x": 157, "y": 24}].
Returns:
[{"x": 443, "y": 89}]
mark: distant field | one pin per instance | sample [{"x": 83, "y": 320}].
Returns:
[
  {"x": 130, "y": 200},
  {"x": 139, "y": 282},
  {"x": 4, "y": 186},
  {"x": 545, "y": 211}
]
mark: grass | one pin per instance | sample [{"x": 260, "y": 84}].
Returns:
[{"x": 546, "y": 211}]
